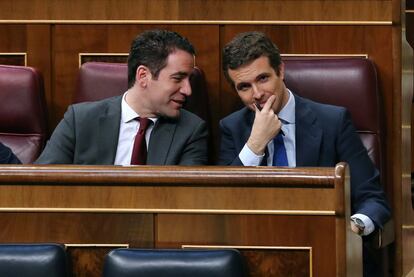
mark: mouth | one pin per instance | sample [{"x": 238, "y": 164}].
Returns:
[
  {"x": 259, "y": 105},
  {"x": 179, "y": 102}
]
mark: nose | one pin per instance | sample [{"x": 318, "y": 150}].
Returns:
[
  {"x": 186, "y": 87},
  {"x": 257, "y": 93}
]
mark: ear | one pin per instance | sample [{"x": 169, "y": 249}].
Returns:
[{"x": 143, "y": 75}]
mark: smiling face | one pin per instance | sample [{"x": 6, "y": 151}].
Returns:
[
  {"x": 255, "y": 82},
  {"x": 166, "y": 94}
]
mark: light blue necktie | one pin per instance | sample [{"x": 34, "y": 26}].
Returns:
[{"x": 279, "y": 151}]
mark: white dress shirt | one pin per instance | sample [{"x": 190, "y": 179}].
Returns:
[{"x": 127, "y": 131}]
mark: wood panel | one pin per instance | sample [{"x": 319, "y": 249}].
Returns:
[
  {"x": 162, "y": 206},
  {"x": 283, "y": 262},
  {"x": 223, "y": 192},
  {"x": 375, "y": 10},
  {"x": 105, "y": 58},
  {"x": 77, "y": 228},
  {"x": 250, "y": 231},
  {"x": 13, "y": 59},
  {"x": 87, "y": 261}
]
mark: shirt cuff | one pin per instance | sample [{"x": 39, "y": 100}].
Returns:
[
  {"x": 369, "y": 224},
  {"x": 249, "y": 158}
]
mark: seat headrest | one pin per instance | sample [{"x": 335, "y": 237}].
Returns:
[
  {"x": 23, "y": 108},
  {"x": 98, "y": 80},
  {"x": 347, "y": 82}
]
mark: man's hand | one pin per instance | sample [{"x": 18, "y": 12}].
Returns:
[
  {"x": 265, "y": 127},
  {"x": 357, "y": 226}
]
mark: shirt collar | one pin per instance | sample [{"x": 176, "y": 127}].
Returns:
[
  {"x": 287, "y": 113},
  {"x": 128, "y": 114}
]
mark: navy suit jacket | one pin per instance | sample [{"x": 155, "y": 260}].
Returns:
[
  {"x": 325, "y": 136},
  {"x": 7, "y": 156}
]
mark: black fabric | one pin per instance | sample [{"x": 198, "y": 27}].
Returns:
[
  {"x": 33, "y": 260},
  {"x": 173, "y": 263}
]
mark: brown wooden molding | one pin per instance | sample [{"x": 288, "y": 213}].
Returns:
[
  {"x": 147, "y": 175},
  {"x": 204, "y": 22}
]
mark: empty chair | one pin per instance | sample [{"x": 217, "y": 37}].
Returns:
[
  {"x": 173, "y": 263},
  {"x": 23, "y": 113},
  {"x": 99, "y": 80},
  {"x": 33, "y": 260}
]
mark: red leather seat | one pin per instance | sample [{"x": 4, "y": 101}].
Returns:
[
  {"x": 346, "y": 82},
  {"x": 23, "y": 113},
  {"x": 98, "y": 80}
]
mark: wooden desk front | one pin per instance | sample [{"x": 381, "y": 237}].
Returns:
[{"x": 286, "y": 222}]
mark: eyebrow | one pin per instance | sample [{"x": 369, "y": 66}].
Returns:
[
  {"x": 239, "y": 86},
  {"x": 264, "y": 74},
  {"x": 257, "y": 78},
  {"x": 180, "y": 74}
]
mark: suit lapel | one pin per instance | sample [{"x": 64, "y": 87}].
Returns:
[
  {"x": 109, "y": 123},
  {"x": 160, "y": 142},
  {"x": 308, "y": 135}
]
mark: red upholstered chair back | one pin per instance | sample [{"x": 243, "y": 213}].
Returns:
[
  {"x": 347, "y": 82},
  {"x": 98, "y": 80},
  {"x": 22, "y": 111}
]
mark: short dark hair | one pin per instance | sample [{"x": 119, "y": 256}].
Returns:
[
  {"x": 247, "y": 47},
  {"x": 152, "y": 48}
]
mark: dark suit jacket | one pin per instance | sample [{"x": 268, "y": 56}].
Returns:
[
  {"x": 324, "y": 136},
  {"x": 88, "y": 134},
  {"x": 7, "y": 156}
]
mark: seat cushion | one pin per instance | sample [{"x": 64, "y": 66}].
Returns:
[
  {"x": 173, "y": 263},
  {"x": 33, "y": 260}
]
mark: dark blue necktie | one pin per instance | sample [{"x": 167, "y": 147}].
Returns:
[{"x": 279, "y": 153}]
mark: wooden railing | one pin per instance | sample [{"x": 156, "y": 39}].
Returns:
[{"x": 286, "y": 222}]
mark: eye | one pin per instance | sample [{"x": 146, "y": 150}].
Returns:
[
  {"x": 263, "y": 78},
  {"x": 179, "y": 77},
  {"x": 243, "y": 87}
]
